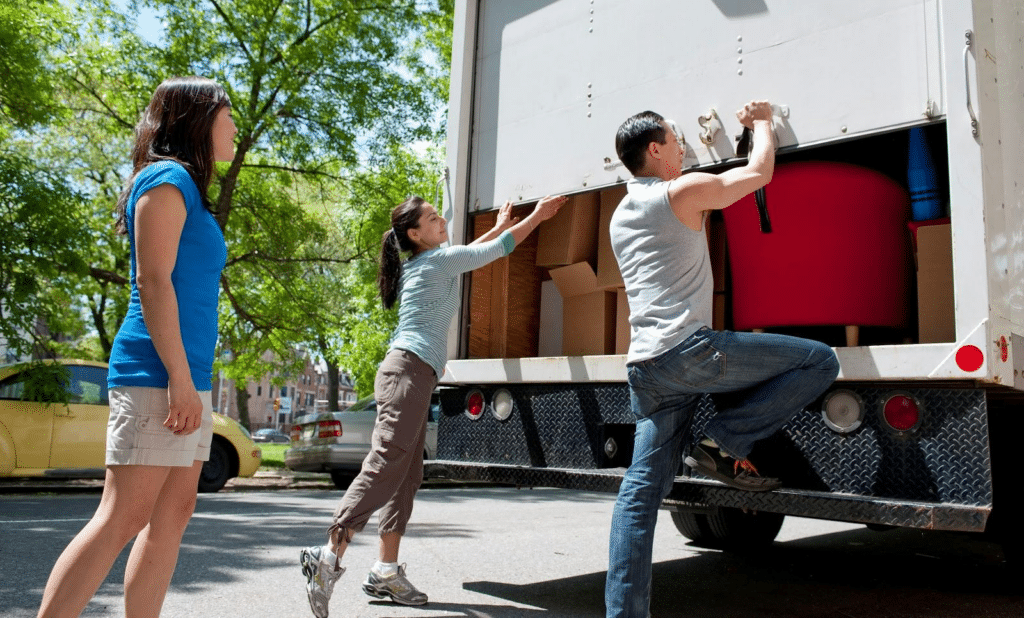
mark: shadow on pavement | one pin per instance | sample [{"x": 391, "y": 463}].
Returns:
[{"x": 852, "y": 574}]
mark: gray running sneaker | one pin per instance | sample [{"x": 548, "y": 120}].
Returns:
[
  {"x": 396, "y": 586},
  {"x": 320, "y": 578}
]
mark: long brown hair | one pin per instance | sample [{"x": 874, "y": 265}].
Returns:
[
  {"x": 177, "y": 125},
  {"x": 404, "y": 217}
]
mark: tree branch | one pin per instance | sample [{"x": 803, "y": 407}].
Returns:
[
  {"x": 233, "y": 30},
  {"x": 105, "y": 275},
  {"x": 255, "y": 255},
  {"x": 295, "y": 170},
  {"x": 110, "y": 111}
]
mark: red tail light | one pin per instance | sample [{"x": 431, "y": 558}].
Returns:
[
  {"x": 329, "y": 429},
  {"x": 901, "y": 412},
  {"x": 474, "y": 404}
]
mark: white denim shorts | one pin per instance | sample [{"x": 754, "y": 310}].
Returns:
[{"x": 136, "y": 435}]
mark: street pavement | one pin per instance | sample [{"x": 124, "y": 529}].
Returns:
[{"x": 499, "y": 552}]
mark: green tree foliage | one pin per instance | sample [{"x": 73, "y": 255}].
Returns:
[
  {"x": 41, "y": 228},
  {"x": 366, "y": 327},
  {"x": 40, "y": 246},
  {"x": 28, "y": 28},
  {"x": 322, "y": 91}
]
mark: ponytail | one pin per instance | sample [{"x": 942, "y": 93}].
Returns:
[
  {"x": 390, "y": 269},
  {"x": 404, "y": 217}
]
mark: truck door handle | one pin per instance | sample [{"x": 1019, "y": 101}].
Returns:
[{"x": 967, "y": 82}]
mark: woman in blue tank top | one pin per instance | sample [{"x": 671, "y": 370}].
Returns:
[{"x": 161, "y": 361}]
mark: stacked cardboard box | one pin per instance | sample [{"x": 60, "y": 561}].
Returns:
[
  {"x": 571, "y": 235},
  {"x": 588, "y": 312},
  {"x": 608, "y": 275},
  {"x": 935, "y": 314},
  {"x": 560, "y": 293},
  {"x": 567, "y": 246}
]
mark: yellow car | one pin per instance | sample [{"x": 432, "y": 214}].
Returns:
[{"x": 69, "y": 441}]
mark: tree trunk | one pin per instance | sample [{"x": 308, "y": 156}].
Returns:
[
  {"x": 242, "y": 401},
  {"x": 332, "y": 386}
]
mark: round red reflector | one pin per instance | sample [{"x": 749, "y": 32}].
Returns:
[
  {"x": 901, "y": 412},
  {"x": 969, "y": 358},
  {"x": 475, "y": 404}
]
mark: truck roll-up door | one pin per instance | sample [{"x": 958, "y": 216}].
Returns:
[{"x": 555, "y": 78}]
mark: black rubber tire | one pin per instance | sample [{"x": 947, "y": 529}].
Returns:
[
  {"x": 342, "y": 479},
  {"x": 728, "y": 528},
  {"x": 217, "y": 470},
  {"x": 1007, "y": 533}
]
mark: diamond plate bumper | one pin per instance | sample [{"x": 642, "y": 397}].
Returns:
[{"x": 938, "y": 476}]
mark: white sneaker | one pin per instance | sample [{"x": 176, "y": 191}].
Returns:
[{"x": 320, "y": 578}]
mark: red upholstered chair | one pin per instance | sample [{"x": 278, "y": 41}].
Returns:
[{"x": 838, "y": 253}]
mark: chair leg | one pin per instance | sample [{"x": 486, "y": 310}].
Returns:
[{"x": 852, "y": 336}]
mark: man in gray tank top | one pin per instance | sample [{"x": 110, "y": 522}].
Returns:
[{"x": 758, "y": 381}]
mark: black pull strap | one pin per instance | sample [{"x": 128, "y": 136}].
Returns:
[
  {"x": 743, "y": 148},
  {"x": 761, "y": 198}
]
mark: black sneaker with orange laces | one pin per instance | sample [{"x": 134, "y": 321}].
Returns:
[{"x": 743, "y": 475}]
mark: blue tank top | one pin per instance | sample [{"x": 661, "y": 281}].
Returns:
[{"x": 196, "y": 279}]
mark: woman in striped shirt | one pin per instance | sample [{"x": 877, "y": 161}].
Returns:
[{"x": 427, "y": 284}]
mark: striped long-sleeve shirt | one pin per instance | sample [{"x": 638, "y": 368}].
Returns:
[{"x": 428, "y": 299}]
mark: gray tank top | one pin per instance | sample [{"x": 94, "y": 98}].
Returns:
[{"x": 665, "y": 267}]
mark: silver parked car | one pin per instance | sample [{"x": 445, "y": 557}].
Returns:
[
  {"x": 269, "y": 434},
  {"x": 337, "y": 442}
]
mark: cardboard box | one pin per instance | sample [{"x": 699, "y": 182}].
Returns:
[
  {"x": 608, "y": 275},
  {"x": 622, "y": 331},
  {"x": 550, "y": 320},
  {"x": 588, "y": 313},
  {"x": 935, "y": 316},
  {"x": 570, "y": 236}
]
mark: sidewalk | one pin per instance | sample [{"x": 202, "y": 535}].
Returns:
[
  {"x": 263, "y": 480},
  {"x": 281, "y": 478}
]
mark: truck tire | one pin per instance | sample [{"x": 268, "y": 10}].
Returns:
[
  {"x": 216, "y": 470},
  {"x": 1007, "y": 533},
  {"x": 342, "y": 479},
  {"x": 728, "y": 528}
]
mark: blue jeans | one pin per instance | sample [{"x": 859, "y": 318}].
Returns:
[{"x": 758, "y": 382}]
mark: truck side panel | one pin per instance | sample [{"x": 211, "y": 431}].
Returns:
[{"x": 997, "y": 57}]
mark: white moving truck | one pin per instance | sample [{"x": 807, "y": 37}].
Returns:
[{"x": 923, "y": 427}]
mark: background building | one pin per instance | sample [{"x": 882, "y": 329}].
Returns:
[{"x": 302, "y": 394}]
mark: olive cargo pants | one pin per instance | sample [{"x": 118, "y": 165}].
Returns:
[{"x": 393, "y": 470}]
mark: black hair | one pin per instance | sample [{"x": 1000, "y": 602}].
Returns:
[
  {"x": 634, "y": 135},
  {"x": 177, "y": 125},
  {"x": 404, "y": 217}
]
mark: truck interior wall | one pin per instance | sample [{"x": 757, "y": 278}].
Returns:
[{"x": 505, "y": 297}]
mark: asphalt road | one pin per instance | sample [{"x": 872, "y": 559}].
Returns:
[{"x": 492, "y": 552}]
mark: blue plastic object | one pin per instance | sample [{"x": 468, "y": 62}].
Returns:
[{"x": 925, "y": 201}]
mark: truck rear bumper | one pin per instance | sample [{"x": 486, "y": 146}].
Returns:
[{"x": 696, "y": 494}]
